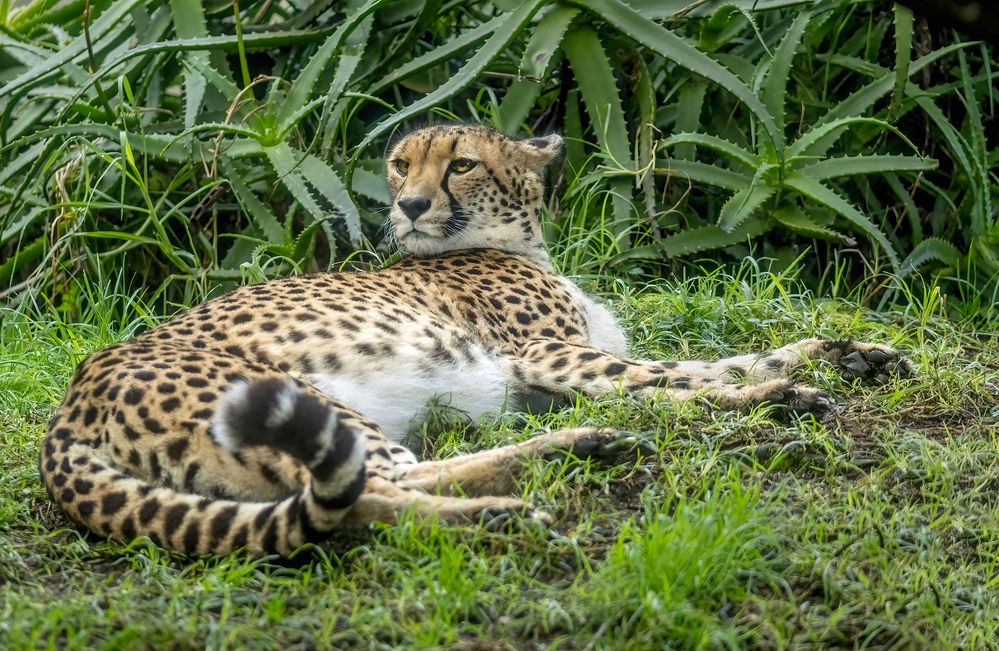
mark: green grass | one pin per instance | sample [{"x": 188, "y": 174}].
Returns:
[{"x": 877, "y": 527}]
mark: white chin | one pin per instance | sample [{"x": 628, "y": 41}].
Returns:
[{"x": 421, "y": 244}]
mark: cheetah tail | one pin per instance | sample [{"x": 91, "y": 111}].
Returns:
[{"x": 269, "y": 412}]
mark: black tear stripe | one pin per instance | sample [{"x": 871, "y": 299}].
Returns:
[{"x": 458, "y": 219}]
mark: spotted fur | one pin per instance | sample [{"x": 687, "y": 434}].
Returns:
[{"x": 266, "y": 417}]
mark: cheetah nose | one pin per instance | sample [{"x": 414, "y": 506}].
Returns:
[{"x": 414, "y": 206}]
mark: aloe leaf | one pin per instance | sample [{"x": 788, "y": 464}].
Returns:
[
  {"x": 979, "y": 151},
  {"x": 720, "y": 145},
  {"x": 827, "y": 132},
  {"x": 538, "y": 55},
  {"x": 225, "y": 86},
  {"x": 301, "y": 89},
  {"x": 676, "y": 9},
  {"x": 703, "y": 238},
  {"x": 932, "y": 248},
  {"x": 439, "y": 54},
  {"x": 109, "y": 19},
  {"x": 689, "y": 101},
  {"x": 903, "y": 54},
  {"x": 798, "y": 221},
  {"x": 775, "y": 83},
  {"x": 22, "y": 257},
  {"x": 512, "y": 25},
  {"x": 963, "y": 155},
  {"x": 189, "y": 22},
  {"x": 704, "y": 173},
  {"x": 575, "y": 154},
  {"x": 423, "y": 21},
  {"x": 519, "y": 99},
  {"x": 645, "y": 152},
  {"x": 819, "y": 193},
  {"x": 851, "y": 165},
  {"x": 267, "y": 40},
  {"x": 19, "y": 228},
  {"x": 672, "y": 47},
  {"x": 598, "y": 87},
  {"x": 155, "y": 145},
  {"x": 261, "y": 216},
  {"x": 370, "y": 184},
  {"x": 309, "y": 178},
  {"x": 911, "y": 211},
  {"x": 860, "y": 101},
  {"x": 544, "y": 43},
  {"x": 742, "y": 204},
  {"x": 334, "y": 103}
]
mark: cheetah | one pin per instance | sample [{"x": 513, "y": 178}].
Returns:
[{"x": 267, "y": 417}]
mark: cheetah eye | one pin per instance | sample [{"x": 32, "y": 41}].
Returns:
[
  {"x": 401, "y": 166},
  {"x": 462, "y": 165}
]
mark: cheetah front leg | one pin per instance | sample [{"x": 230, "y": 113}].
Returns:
[
  {"x": 856, "y": 360},
  {"x": 560, "y": 367}
]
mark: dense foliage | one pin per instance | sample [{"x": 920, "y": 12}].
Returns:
[{"x": 195, "y": 142}]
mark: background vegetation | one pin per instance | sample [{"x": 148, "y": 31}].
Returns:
[
  {"x": 191, "y": 143},
  {"x": 781, "y": 163}
]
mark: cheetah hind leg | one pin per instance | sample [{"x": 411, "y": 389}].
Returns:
[
  {"x": 384, "y": 501},
  {"x": 494, "y": 472}
]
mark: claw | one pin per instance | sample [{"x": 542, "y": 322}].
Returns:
[
  {"x": 855, "y": 362},
  {"x": 878, "y": 356}
]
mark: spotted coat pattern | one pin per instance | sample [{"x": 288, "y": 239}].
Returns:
[{"x": 229, "y": 426}]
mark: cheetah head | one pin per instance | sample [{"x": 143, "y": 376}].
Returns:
[{"x": 462, "y": 186}]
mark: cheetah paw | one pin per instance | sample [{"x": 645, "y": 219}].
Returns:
[
  {"x": 801, "y": 401},
  {"x": 596, "y": 443},
  {"x": 874, "y": 364},
  {"x": 797, "y": 400}
]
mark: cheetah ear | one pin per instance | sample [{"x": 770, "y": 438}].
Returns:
[{"x": 541, "y": 151}]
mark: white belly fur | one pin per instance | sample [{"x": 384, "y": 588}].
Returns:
[{"x": 398, "y": 400}]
